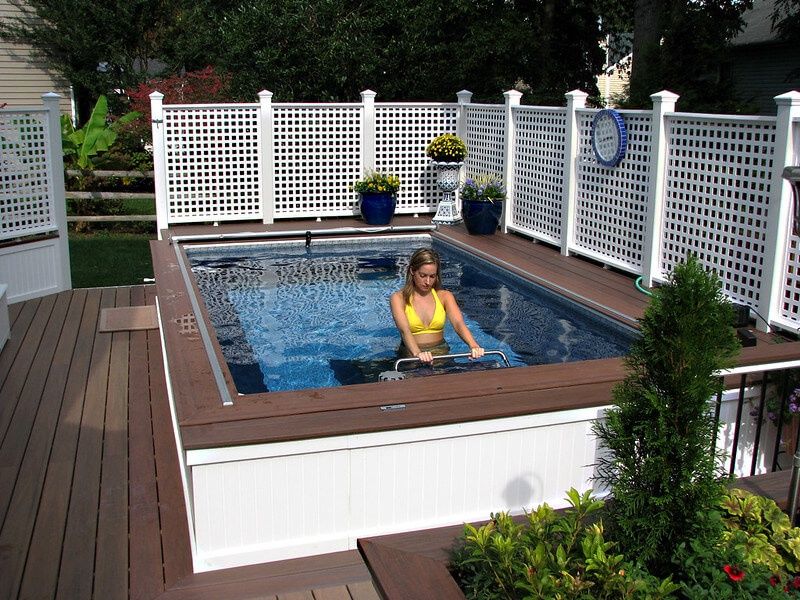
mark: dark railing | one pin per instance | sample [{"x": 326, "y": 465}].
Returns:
[{"x": 763, "y": 376}]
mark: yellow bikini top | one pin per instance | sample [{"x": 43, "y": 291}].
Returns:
[{"x": 437, "y": 322}]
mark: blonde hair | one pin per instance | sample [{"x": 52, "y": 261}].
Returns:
[{"x": 423, "y": 256}]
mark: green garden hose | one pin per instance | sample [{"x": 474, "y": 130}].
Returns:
[{"x": 641, "y": 288}]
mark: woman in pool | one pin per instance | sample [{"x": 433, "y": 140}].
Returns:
[{"x": 422, "y": 300}]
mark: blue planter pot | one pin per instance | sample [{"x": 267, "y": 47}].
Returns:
[
  {"x": 377, "y": 208},
  {"x": 481, "y": 218}
]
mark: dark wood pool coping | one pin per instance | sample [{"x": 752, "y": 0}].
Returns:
[{"x": 284, "y": 416}]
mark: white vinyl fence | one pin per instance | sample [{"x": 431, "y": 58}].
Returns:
[
  {"x": 34, "y": 251},
  {"x": 705, "y": 184}
]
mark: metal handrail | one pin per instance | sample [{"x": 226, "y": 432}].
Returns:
[{"x": 400, "y": 361}]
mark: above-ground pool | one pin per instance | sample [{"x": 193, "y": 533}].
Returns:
[{"x": 292, "y": 316}]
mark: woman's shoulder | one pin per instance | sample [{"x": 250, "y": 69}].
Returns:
[
  {"x": 444, "y": 294},
  {"x": 396, "y": 296}
]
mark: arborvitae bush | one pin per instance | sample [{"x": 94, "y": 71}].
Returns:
[{"x": 659, "y": 464}]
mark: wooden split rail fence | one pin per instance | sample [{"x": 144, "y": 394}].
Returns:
[{"x": 70, "y": 195}]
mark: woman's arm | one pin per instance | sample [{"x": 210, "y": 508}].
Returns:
[
  {"x": 401, "y": 321},
  {"x": 457, "y": 321}
]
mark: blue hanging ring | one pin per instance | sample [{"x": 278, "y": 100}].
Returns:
[{"x": 609, "y": 137}]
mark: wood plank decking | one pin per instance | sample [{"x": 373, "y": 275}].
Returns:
[{"x": 91, "y": 503}]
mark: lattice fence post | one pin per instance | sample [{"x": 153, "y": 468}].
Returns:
[
  {"x": 779, "y": 211},
  {"x": 512, "y": 99},
  {"x": 464, "y": 98},
  {"x": 368, "y": 149},
  {"x": 663, "y": 102},
  {"x": 58, "y": 201},
  {"x": 576, "y": 99},
  {"x": 159, "y": 168},
  {"x": 267, "y": 152}
]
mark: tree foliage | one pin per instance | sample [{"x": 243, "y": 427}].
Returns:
[
  {"x": 660, "y": 467},
  {"x": 786, "y": 19},
  {"x": 322, "y": 49},
  {"x": 682, "y": 46},
  {"x": 417, "y": 49},
  {"x": 100, "y": 47}
]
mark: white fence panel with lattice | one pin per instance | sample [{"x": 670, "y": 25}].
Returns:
[
  {"x": 789, "y": 301},
  {"x": 485, "y": 138},
  {"x": 212, "y": 162},
  {"x": 687, "y": 183},
  {"x": 402, "y": 131},
  {"x": 538, "y": 172},
  {"x": 317, "y": 157},
  {"x": 33, "y": 223},
  {"x": 612, "y": 202},
  {"x": 716, "y": 197}
]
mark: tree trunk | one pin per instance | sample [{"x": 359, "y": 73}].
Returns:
[{"x": 648, "y": 29}]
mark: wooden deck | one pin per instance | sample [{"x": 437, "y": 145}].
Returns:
[{"x": 91, "y": 503}]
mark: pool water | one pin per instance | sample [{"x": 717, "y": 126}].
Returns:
[{"x": 288, "y": 317}]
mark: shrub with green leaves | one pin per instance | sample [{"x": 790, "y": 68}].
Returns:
[
  {"x": 762, "y": 531},
  {"x": 551, "y": 555},
  {"x": 659, "y": 465},
  {"x": 96, "y": 136},
  {"x": 715, "y": 570}
]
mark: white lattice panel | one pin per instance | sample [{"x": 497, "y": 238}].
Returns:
[
  {"x": 796, "y": 141},
  {"x": 25, "y": 177},
  {"x": 212, "y": 163},
  {"x": 538, "y": 171},
  {"x": 611, "y": 203},
  {"x": 401, "y": 134},
  {"x": 485, "y": 138},
  {"x": 716, "y": 197},
  {"x": 790, "y": 298},
  {"x": 317, "y": 159}
]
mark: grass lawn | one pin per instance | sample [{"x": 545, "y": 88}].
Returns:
[{"x": 108, "y": 258}]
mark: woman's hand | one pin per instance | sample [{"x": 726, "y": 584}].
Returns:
[
  {"x": 476, "y": 352},
  {"x": 424, "y": 356}
]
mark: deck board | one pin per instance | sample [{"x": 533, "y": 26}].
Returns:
[
  {"x": 172, "y": 512},
  {"x": 76, "y": 576},
  {"x": 23, "y": 360},
  {"x": 44, "y": 558},
  {"x": 111, "y": 561},
  {"x": 146, "y": 560},
  {"x": 30, "y": 462},
  {"x": 21, "y": 424},
  {"x": 13, "y": 311},
  {"x": 19, "y": 330}
]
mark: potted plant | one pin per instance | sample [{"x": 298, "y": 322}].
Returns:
[
  {"x": 447, "y": 152},
  {"x": 378, "y": 197},
  {"x": 482, "y": 204},
  {"x": 447, "y": 148}
]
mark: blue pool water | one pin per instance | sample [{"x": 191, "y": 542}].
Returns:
[{"x": 289, "y": 317}]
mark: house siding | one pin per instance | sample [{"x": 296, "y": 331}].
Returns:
[
  {"x": 764, "y": 71},
  {"x": 617, "y": 80},
  {"x": 23, "y": 79}
]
